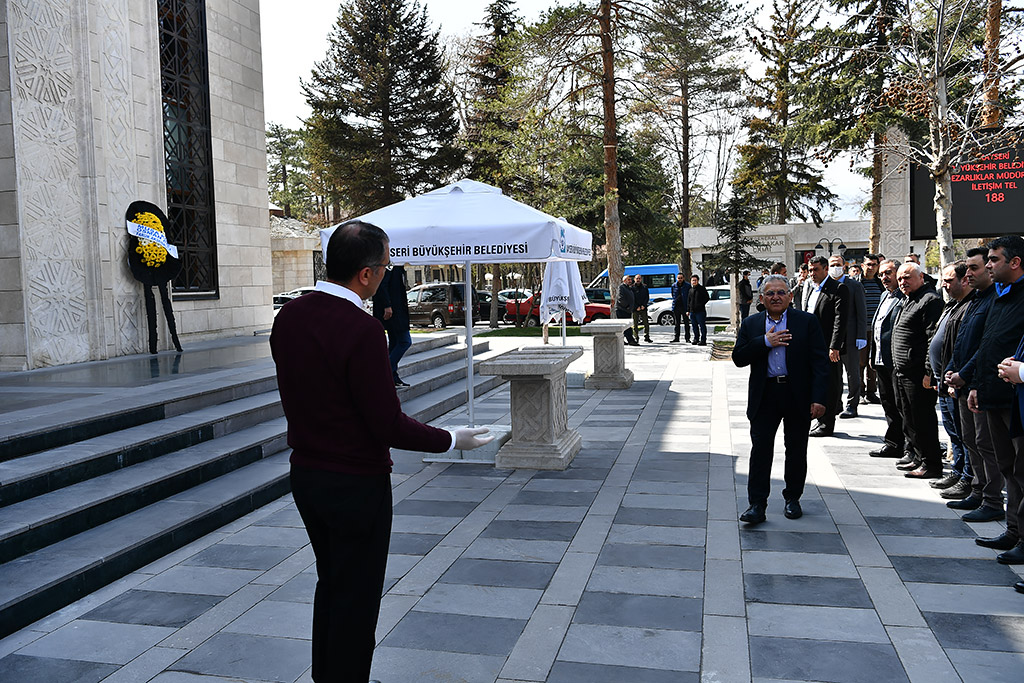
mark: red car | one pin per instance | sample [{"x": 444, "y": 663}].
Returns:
[{"x": 529, "y": 311}]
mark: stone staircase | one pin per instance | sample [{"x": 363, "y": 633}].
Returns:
[{"x": 93, "y": 490}]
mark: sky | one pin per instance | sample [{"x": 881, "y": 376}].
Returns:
[{"x": 294, "y": 35}]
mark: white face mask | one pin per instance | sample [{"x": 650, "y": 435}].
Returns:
[{"x": 835, "y": 272}]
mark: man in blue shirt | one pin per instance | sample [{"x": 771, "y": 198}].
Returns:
[{"x": 789, "y": 367}]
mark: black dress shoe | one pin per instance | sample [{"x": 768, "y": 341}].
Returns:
[
  {"x": 908, "y": 466},
  {"x": 983, "y": 513},
  {"x": 959, "y": 490},
  {"x": 674, "y": 340},
  {"x": 754, "y": 514},
  {"x": 793, "y": 510},
  {"x": 648, "y": 340},
  {"x": 1014, "y": 555},
  {"x": 946, "y": 481},
  {"x": 971, "y": 502},
  {"x": 820, "y": 430},
  {"x": 401, "y": 383},
  {"x": 1003, "y": 541},
  {"x": 885, "y": 452},
  {"x": 907, "y": 458},
  {"x": 1019, "y": 586},
  {"x": 848, "y": 413},
  {"x": 923, "y": 473},
  {"x": 870, "y": 398}
]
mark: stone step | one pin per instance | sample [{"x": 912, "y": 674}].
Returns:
[
  {"x": 437, "y": 357},
  {"x": 55, "y": 516},
  {"x": 43, "y": 581},
  {"x": 424, "y": 382},
  {"x": 40, "y": 473},
  {"x": 438, "y": 402}
]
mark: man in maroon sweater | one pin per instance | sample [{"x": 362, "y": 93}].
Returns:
[{"x": 343, "y": 417}]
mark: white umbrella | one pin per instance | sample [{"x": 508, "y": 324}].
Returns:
[
  {"x": 471, "y": 222},
  {"x": 563, "y": 292}
]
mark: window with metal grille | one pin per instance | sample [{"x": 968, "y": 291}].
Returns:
[{"x": 188, "y": 147}]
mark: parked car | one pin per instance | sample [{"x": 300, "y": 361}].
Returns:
[
  {"x": 718, "y": 307},
  {"x": 657, "y": 276},
  {"x": 511, "y": 294},
  {"x": 598, "y": 295},
  {"x": 439, "y": 304},
  {"x": 661, "y": 312},
  {"x": 529, "y": 312},
  {"x": 484, "y": 305},
  {"x": 284, "y": 297}
]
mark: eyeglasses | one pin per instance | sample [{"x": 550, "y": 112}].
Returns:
[
  {"x": 386, "y": 266},
  {"x": 775, "y": 292}
]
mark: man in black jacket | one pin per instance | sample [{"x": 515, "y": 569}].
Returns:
[
  {"x": 788, "y": 378},
  {"x": 880, "y": 358},
  {"x": 391, "y": 307},
  {"x": 680, "y": 296},
  {"x": 641, "y": 299},
  {"x": 624, "y": 307},
  {"x": 746, "y": 294},
  {"x": 697, "y": 301},
  {"x": 856, "y": 334},
  {"x": 829, "y": 301},
  {"x": 1003, "y": 330},
  {"x": 915, "y": 325}
]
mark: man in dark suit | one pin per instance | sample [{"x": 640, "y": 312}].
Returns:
[
  {"x": 624, "y": 307},
  {"x": 391, "y": 307},
  {"x": 697, "y": 301},
  {"x": 880, "y": 358},
  {"x": 828, "y": 300},
  {"x": 680, "y": 296},
  {"x": 856, "y": 334},
  {"x": 343, "y": 417},
  {"x": 785, "y": 350}
]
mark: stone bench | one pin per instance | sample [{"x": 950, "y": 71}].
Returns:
[
  {"x": 541, "y": 437},
  {"x": 610, "y": 370}
]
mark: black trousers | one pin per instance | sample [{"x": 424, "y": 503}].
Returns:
[
  {"x": 988, "y": 480},
  {"x": 777, "y": 406},
  {"x": 835, "y": 393},
  {"x": 684, "y": 319},
  {"x": 1009, "y": 452},
  {"x": 921, "y": 426},
  {"x": 348, "y": 519},
  {"x": 894, "y": 436},
  {"x": 628, "y": 333}
]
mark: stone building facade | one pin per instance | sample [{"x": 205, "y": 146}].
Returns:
[{"x": 103, "y": 102}]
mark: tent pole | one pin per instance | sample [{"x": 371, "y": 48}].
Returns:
[
  {"x": 468, "y": 305},
  {"x": 563, "y": 327}
]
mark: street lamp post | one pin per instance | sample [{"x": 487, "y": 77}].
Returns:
[{"x": 831, "y": 243}]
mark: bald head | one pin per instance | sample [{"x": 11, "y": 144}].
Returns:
[{"x": 910, "y": 277}]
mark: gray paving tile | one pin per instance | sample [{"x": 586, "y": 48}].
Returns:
[
  {"x": 498, "y": 573},
  {"x": 575, "y": 471},
  {"x": 248, "y": 656},
  {"x": 16, "y": 668},
  {"x": 289, "y": 516},
  {"x": 571, "y": 498},
  {"x": 153, "y": 608},
  {"x": 576, "y": 672},
  {"x": 201, "y": 580},
  {"x": 404, "y": 664},
  {"x": 665, "y": 502},
  {"x": 516, "y": 549},
  {"x": 434, "y": 508},
  {"x": 654, "y": 556},
  {"x": 184, "y": 677},
  {"x": 283, "y": 536},
  {"x": 655, "y": 517},
  {"x": 821, "y": 623},
  {"x": 967, "y": 599},
  {"x": 977, "y": 631},
  {"x": 97, "y": 641},
  {"x": 234, "y": 556},
  {"x": 543, "y": 513},
  {"x": 796, "y": 541},
  {"x": 413, "y": 544},
  {"x": 901, "y": 526},
  {"x": 480, "y": 601},
  {"x": 990, "y": 667},
  {"x": 793, "y": 659},
  {"x": 632, "y": 647},
  {"x": 273, "y": 618},
  {"x": 953, "y": 570},
  {"x": 671, "y": 582},
  {"x": 935, "y": 546},
  {"x": 641, "y": 611},
  {"x": 798, "y": 564},
  {"x": 300, "y": 588},
  {"x": 563, "y": 485},
  {"x": 661, "y": 535},
  {"x": 423, "y": 524},
  {"x": 449, "y": 493},
  {"x": 922, "y": 656},
  {"x": 456, "y": 633},
  {"x": 806, "y": 590},
  {"x": 545, "y": 531}
]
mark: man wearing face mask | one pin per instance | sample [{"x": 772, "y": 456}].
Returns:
[
  {"x": 828, "y": 299},
  {"x": 856, "y": 334}
]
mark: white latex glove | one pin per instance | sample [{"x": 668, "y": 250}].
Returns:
[
  {"x": 468, "y": 438},
  {"x": 861, "y": 343}
]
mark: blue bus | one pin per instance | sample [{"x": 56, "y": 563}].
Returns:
[{"x": 658, "y": 277}]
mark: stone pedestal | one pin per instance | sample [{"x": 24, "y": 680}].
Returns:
[
  {"x": 541, "y": 438},
  {"x": 610, "y": 370}
]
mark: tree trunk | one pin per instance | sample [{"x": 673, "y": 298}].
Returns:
[
  {"x": 684, "y": 168},
  {"x": 613, "y": 239},
  {"x": 496, "y": 312},
  {"x": 990, "y": 113},
  {"x": 877, "y": 175},
  {"x": 943, "y": 201}
]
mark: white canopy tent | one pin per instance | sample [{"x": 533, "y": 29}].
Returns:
[
  {"x": 563, "y": 292},
  {"x": 470, "y": 222}
]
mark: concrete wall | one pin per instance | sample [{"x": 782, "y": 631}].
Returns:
[
  {"x": 12, "y": 302},
  {"x": 293, "y": 262}
]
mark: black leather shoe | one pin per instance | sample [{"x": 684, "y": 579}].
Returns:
[
  {"x": 982, "y": 513},
  {"x": 1014, "y": 555},
  {"x": 1003, "y": 541},
  {"x": 971, "y": 502},
  {"x": 923, "y": 473},
  {"x": 848, "y": 413},
  {"x": 793, "y": 510},
  {"x": 1019, "y": 586},
  {"x": 946, "y": 481},
  {"x": 885, "y": 452},
  {"x": 820, "y": 430},
  {"x": 908, "y": 466},
  {"x": 870, "y": 398},
  {"x": 907, "y": 458},
  {"x": 401, "y": 383},
  {"x": 959, "y": 490},
  {"x": 648, "y": 340},
  {"x": 674, "y": 340},
  {"x": 754, "y": 514}
]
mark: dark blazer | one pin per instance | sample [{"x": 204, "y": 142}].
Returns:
[
  {"x": 698, "y": 298},
  {"x": 885, "y": 338},
  {"x": 857, "y": 323},
  {"x": 1004, "y": 327},
  {"x": 680, "y": 294},
  {"x": 624, "y": 302},
  {"x": 806, "y": 359},
  {"x": 391, "y": 294},
  {"x": 641, "y": 294},
  {"x": 832, "y": 311}
]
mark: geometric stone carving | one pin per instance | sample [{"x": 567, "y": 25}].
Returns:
[
  {"x": 541, "y": 437},
  {"x": 894, "y": 219},
  {"x": 610, "y": 370}
]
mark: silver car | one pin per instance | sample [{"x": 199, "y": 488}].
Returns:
[{"x": 717, "y": 308}]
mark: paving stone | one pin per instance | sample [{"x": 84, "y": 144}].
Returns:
[
  {"x": 822, "y": 623},
  {"x": 900, "y": 526},
  {"x": 404, "y": 664},
  {"x": 277, "y": 619},
  {"x": 793, "y": 659},
  {"x": 543, "y": 513},
  {"x": 480, "y": 601},
  {"x": 966, "y": 599},
  {"x": 285, "y": 537},
  {"x": 571, "y": 498},
  {"x": 499, "y": 573},
  {"x": 661, "y": 535},
  {"x": 456, "y": 633},
  {"x": 516, "y": 549},
  {"x": 449, "y": 493},
  {"x": 632, "y": 647},
  {"x": 413, "y": 544},
  {"x": 641, "y": 611},
  {"x": 21, "y": 668},
  {"x": 922, "y": 656},
  {"x": 935, "y": 546},
  {"x": 546, "y": 531},
  {"x": 665, "y": 502},
  {"x": 990, "y": 667},
  {"x": 289, "y": 516},
  {"x": 201, "y": 580},
  {"x": 423, "y": 524},
  {"x": 575, "y": 472},
  {"x": 97, "y": 641},
  {"x": 796, "y": 541},
  {"x": 654, "y": 556},
  {"x": 977, "y": 631},
  {"x": 806, "y": 590},
  {"x": 153, "y": 608},
  {"x": 434, "y": 508},
  {"x": 798, "y": 564},
  {"x": 300, "y": 588},
  {"x": 576, "y": 672},
  {"x": 671, "y": 582},
  {"x": 248, "y": 656},
  {"x": 655, "y": 517},
  {"x": 953, "y": 570},
  {"x": 234, "y": 556}
]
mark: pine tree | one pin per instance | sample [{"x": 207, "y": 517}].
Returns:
[
  {"x": 736, "y": 219},
  {"x": 287, "y": 171},
  {"x": 776, "y": 171},
  {"x": 383, "y": 125}
]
